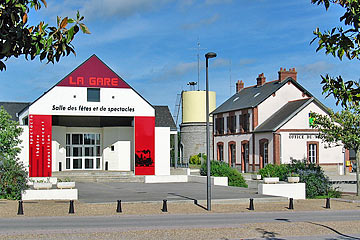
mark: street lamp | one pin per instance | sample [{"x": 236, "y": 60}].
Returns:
[{"x": 207, "y": 56}]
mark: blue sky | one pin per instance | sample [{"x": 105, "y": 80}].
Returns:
[{"x": 152, "y": 44}]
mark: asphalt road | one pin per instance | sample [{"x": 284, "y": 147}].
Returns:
[
  {"x": 165, "y": 221},
  {"x": 133, "y": 192}
]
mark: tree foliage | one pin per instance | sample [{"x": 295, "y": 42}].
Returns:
[
  {"x": 341, "y": 42},
  {"x": 9, "y": 135},
  {"x": 13, "y": 175},
  {"x": 341, "y": 128},
  {"x": 18, "y": 38}
]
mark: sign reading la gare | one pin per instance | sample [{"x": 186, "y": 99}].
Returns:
[{"x": 93, "y": 81}]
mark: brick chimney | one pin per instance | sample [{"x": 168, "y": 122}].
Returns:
[
  {"x": 283, "y": 74},
  {"x": 261, "y": 79},
  {"x": 239, "y": 86}
]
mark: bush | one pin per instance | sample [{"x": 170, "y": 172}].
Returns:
[
  {"x": 221, "y": 169},
  {"x": 271, "y": 170},
  {"x": 196, "y": 159},
  {"x": 13, "y": 179},
  {"x": 317, "y": 183}
]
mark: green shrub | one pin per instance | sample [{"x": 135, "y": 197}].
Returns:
[
  {"x": 316, "y": 182},
  {"x": 196, "y": 159},
  {"x": 281, "y": 171},
  {"x": 13, "y": 179},
  {"x": 221, "y": 169}
]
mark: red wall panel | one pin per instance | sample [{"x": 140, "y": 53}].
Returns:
[
  {"x": 40, "y": 128},
  {"x": 144, "y": 145}
]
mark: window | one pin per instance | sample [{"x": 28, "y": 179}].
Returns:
[
  {"x": 220, "y": 151},
  {"x": 244, "y": 122},
  {"x": 313, "y": 152},
  {"x": 93, "y": 94},
  {"x": 219, "y": 125},
  {"x": 264, "y": 152},
  {"x": 83, "y": 151},
  {"x": 245, "y": 156},
  {"x": 231, "y": 124},
  {"x": 232, "y": 154}
]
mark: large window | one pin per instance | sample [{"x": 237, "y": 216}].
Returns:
[
  {"x": 244, "y": 123},
  {"x": 231, "y": 124},
  {"x": 264, "y": 152},
  {"x": 219, "y": 125},
  {"x": 313, "y": 152},
  {"x": 83, "y": 151},
  {"x": 220, "y": 151},
  {"x": 93, "y": 94},
  {"x": 245, "y": 156}
]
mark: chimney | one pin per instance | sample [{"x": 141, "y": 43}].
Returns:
[
  {"x": 239, "y": 86},
  {"x": 283, "y": 74},
  {"x": 261, "y": 80}
]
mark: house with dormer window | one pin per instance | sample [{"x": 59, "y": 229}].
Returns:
[{"x": 269, "y": 123}]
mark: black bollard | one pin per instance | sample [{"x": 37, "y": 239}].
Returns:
[
  {"x": 118, "y": 209},
  {"x": 291, "y": 203},
  {"x": 251, "y": 207},
  {"x": 20, "y": 208},
  {"x": 164, "y": 208},
  {"x": 327, "y": 203},
  {"x": 71, "y": 208}
]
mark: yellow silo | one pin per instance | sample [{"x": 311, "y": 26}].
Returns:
[{"x": 194, "y": 106}]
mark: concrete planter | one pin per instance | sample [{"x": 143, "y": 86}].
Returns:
[
  {"x": 271, "y": 180},
  {"x": 293, "y": 179},
  {"x": 41, "y": 185},
  {"x": 256, "y": 177},
  {"x": 65, "y": 185}
]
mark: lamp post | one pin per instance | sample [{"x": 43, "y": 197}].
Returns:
[{"x": 207, "y": 56}]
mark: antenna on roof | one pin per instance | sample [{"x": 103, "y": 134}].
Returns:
[{"x": 198, "y": 61}]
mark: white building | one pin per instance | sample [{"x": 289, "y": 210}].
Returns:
[
  {"x": 269, "y": 123},
  {"x": 93, "y": 120}
]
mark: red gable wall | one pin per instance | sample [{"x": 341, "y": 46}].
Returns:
[{"x": 93, "y": 73}]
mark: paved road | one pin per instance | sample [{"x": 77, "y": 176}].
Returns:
[
  {"x": 133, "y": 192},
  {"x": 128, "y": 222}
]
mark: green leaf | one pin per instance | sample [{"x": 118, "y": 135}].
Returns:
[{"x": 84, "y": 28}]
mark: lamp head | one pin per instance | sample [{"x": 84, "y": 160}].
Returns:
[{"x": 210, "y": 55}]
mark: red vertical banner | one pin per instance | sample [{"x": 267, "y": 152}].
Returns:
[
  {"x": 40, "y": 128},
  {"x": 144, "y": 145}
]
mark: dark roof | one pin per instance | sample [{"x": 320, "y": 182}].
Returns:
[
  {"x": 287, "y": 112},
  {"x": 163, "y": 118},
  {"x": 13, "y": 108},
  {"x": 251, "y": 97}
]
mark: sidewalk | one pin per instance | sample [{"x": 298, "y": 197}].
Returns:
[{"x": 61, "y": 208}]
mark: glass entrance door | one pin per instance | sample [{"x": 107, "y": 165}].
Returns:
[{"x": 83, "y": 151}]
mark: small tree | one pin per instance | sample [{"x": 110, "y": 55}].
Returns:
[
  {"x": 341, "y": 128},
  {"x": 13, "y": 175}
]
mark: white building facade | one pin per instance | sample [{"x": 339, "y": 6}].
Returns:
[
  {"x": 93, "y": 120},
  {"x": 269, "y": 123}
]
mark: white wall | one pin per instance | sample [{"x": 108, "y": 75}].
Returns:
[
  {"x": 274, "y": 103},
  {"x": 237, "y": 139},
  {"x": 162, "y": 151},
  {"x": 63, "y": 97},
  {"x": 122, "y": 138},
  {"x": 58, "y": 147},
  {"x": 297, "y": 147},
  {"x": 301, "y": 119},
  {"x": 24, "y": 154}
]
